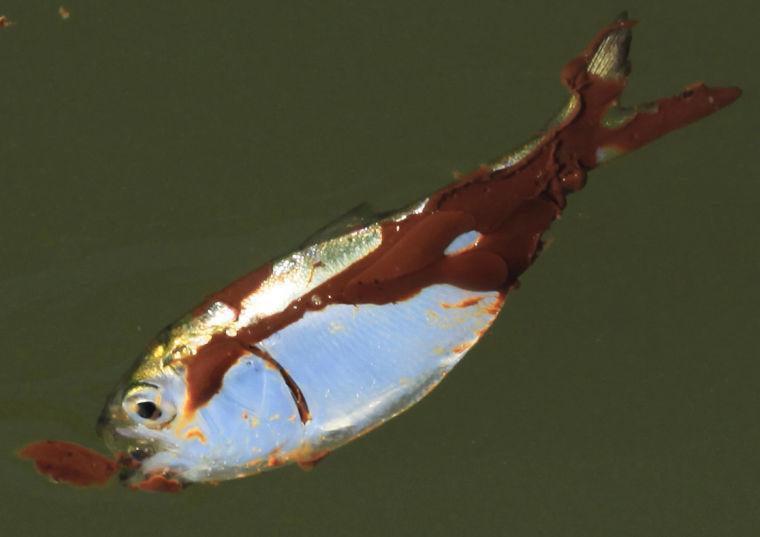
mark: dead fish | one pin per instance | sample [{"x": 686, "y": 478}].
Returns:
[{"x": 322, "y": 345}]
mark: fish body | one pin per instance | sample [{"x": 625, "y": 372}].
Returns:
[{"x": 320, "y": 346}]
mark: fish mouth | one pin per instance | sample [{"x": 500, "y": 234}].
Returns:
[
  {"x": 130, "y": 449},
  {"x": 146, "y": 463},
  {"x": 129, "y": 453},
  {"x": 115, "y": 436},
  {"x": 148, "y": 460},
  {"x": 124, "y": 441},
  {"x": 143, "y": 466}
]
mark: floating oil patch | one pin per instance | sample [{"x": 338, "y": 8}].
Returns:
[
  {"x": 79, "y": 466},
  {"x": 69, "y": 463}
]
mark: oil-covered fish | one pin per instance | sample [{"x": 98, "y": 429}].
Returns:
[{"x": 320, "y": 346}]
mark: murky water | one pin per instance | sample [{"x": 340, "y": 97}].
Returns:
[{"x": 149, "y": 154}]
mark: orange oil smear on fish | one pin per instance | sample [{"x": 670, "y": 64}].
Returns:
[
  {"x": 466, "y": 303},
  {"x": 462, "y": 347},
  {"x": 196, "y": 433},
  {"x": 495, "y": 306}
]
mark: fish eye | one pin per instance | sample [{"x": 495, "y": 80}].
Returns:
[
  {"x": 144, "y": 404},
  {"x": 148, "y": 410}
]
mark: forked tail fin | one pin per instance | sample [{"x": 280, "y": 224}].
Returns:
[
  {"x": 514, "y": 200},
  {"x": 593, "y": 127},
  {"x": 600, "y": 128}
]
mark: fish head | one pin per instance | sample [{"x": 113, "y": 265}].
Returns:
[
  {"x": 141, "y": 416},
  {"x": 249, "y": 425}
]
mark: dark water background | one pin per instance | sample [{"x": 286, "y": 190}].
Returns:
[{"x": 152, "y": 151}]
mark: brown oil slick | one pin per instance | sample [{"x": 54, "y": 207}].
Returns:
[
  {"x": 511, "y": 207},
  {"x": 66, "y": 462},
  {"x": 79, "y": 466},
  {"x": 205, "y": 372},
  {"x": 295, "y": 390},
  {"x": 206, "y": 369},
  {"x": 234, "y": 294},
  {"x": 158, "y": 483}
]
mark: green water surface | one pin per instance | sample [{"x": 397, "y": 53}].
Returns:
[{"x": 150, "y": 152}]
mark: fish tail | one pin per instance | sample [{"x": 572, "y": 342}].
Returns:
[
  {"x": 593, "y": 127},
  {"x": 514, "y": 200},
  {"x": 596, "y": 128}
]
